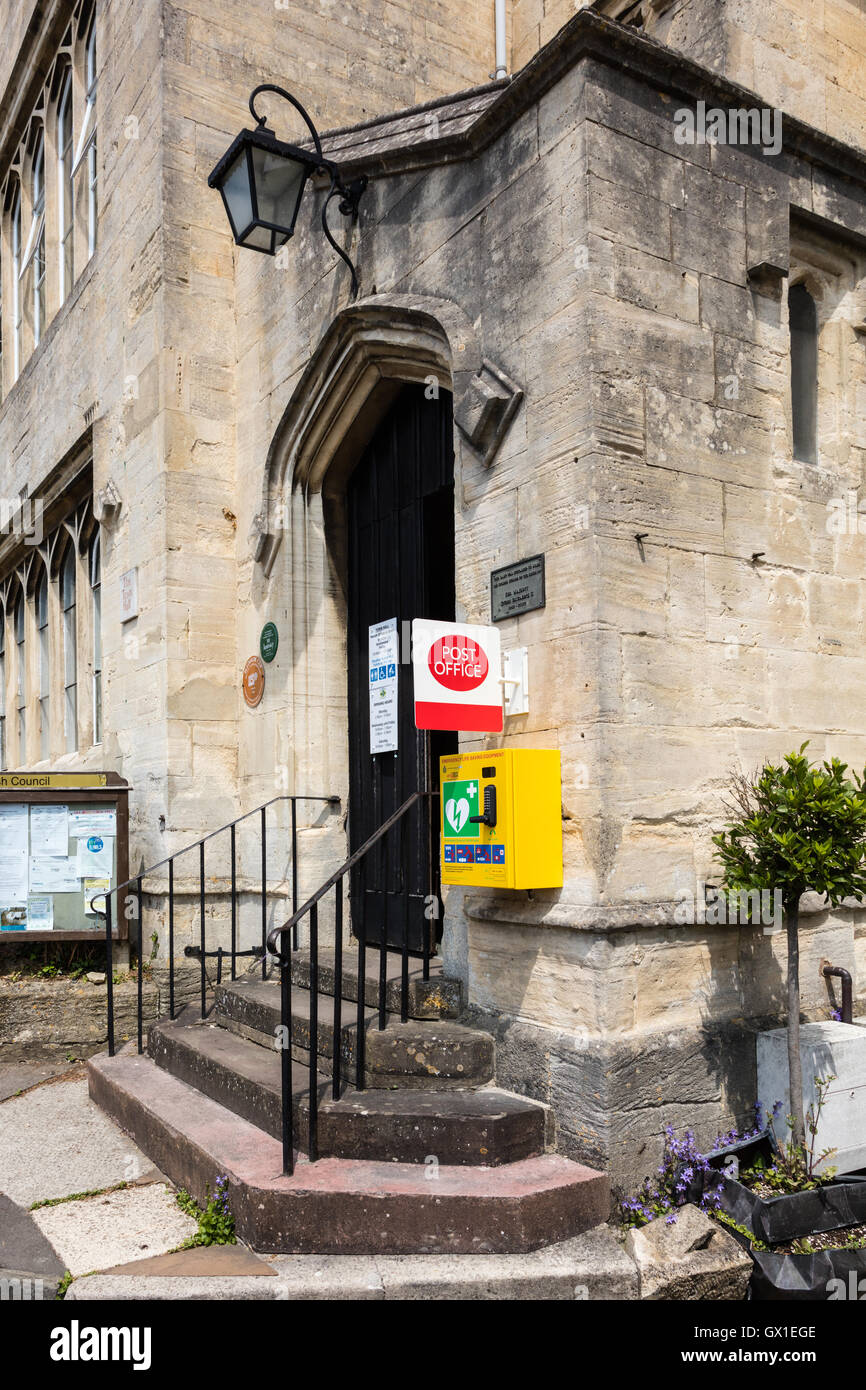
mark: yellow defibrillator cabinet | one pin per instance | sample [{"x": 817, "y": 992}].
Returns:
[{"x": 501, "y": 818}]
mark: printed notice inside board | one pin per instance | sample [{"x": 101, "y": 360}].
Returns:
[{"x": 53, "y": 860}]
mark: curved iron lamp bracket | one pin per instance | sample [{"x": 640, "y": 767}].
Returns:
[
  {"x": 348, "y": 193},
  {"x": 293, "y": 101}
]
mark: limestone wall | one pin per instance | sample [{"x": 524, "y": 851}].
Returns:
[
  {"x": 804, "y": 56},
  {"x": 143, "y": 352},
  {"x": 343, "y": 66},
  {"x": 15, "y": 18},
  {"x": 93, "y": 373},
  {"x": 605, "y": 267},
  {"x": 495, "y": 236},
  {"x": 702, "y": 658}
]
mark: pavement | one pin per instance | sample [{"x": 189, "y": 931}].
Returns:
[
  {"x": 79, "y": 1199},
  {"x": 17, "y": 1077},
  {"x": 115, "y": 1228},
  {"x": 589, "y": 1267},
  {"x": 75, "y": 1194},
  {"x": 54, "y": 1142}
]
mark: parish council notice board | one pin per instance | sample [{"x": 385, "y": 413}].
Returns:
[{"x": 61, "y": 846}]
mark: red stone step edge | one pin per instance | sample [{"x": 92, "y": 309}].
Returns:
[{"x": 343, "y": 1206}]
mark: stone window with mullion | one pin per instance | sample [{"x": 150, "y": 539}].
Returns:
[
  {"x": 69, "y": 623},
  {"x": 31, "y": 275},
  {"x": 85, "y": 168},
  {"x": 43, "y": 637},
  {"x": 3, "y": 758},
  {"x": 21, "y": 681},
  {"x": 96, "y": 633},
  {"x": 65, "y": 187},
  {"x": 15, "y": 300},
  {"x": 51, "y": 664}
]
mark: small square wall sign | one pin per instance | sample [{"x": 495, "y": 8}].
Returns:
[{"x": 129, "y": 595}]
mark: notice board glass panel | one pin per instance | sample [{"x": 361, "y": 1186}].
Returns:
[
  {"x": 53, "y": 859},
  {"x": 61, "y": 846}
]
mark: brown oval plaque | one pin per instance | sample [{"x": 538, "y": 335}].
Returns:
[{"x": 254, "y": 681}]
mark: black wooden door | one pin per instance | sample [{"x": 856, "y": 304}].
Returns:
[{"x": 401, "y": 565}]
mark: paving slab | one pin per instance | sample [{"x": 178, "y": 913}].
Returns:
[
  {"x": 148, "y": 1289},
  {"x": 332, "y": 1277},
  {"x": 592, "y": 1266},
  {"x": 16, "y": 1077},
  {"x": 26, "y": 1254},
  {"x": 54, "y": 1141},
  {"x": 202, "y": 1261},
  {"x": 115, "y": 1228}
]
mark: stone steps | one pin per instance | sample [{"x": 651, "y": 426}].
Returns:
[
  {"x": 337, "y": 1205},
  {"x": 437, "y": 997},
  {"x": 430, "y": 1158},
  {"x": 441, "y": 1054},
  {"x": 484, "y": 1126}
]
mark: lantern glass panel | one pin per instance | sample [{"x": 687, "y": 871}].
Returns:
[
  {"x": 259, "y": 238},
  {"x": 236, "y": 191},
  {"x": 279, "y": 182}
]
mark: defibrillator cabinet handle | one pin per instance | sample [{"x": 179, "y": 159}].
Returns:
[{"x": 489, "y": 816}]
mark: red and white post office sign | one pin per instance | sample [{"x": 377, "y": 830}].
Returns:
[{"x": 458, "y": 676}]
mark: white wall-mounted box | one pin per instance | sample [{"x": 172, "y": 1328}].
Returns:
[{"x": 827, "y": 1049}]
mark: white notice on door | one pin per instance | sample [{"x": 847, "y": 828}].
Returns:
[{"x": 384, "y": 660}]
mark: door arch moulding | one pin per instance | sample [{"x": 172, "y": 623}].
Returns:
[{"x": 373, "y": 345}]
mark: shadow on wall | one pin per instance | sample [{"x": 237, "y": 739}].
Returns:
[{"x": 728, "y": 1048}]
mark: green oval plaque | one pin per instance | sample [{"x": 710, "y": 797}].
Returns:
[{"x": 269, "y": 641}]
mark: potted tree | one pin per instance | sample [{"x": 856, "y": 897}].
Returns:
[{"x": 798, "y": 828}]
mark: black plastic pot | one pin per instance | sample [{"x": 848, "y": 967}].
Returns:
[
  {"x": 776, "y": 1220},
  {"x": 747, "y": 1151},
  {"x": 830, "y": 1275}
]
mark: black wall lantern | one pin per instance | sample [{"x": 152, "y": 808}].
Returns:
[{"x": 262, "y": 182}]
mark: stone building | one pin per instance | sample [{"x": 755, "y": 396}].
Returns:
[{"x": 197, "y": 431}]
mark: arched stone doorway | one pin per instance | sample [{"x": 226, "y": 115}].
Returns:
[
  {"x": 369, "y": 351},
  {"x": 365, "y": 452}
]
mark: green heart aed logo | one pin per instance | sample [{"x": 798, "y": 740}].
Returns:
[{"x": 459, "y": 805}]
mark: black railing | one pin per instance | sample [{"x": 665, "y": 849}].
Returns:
[
  {"x": 136, "y": 886},
  {"x": 281, "y": 940}
]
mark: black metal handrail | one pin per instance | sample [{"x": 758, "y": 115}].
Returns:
[
  {"x": 280, "y": 941},
  {"x": 135, "y": 883}
]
